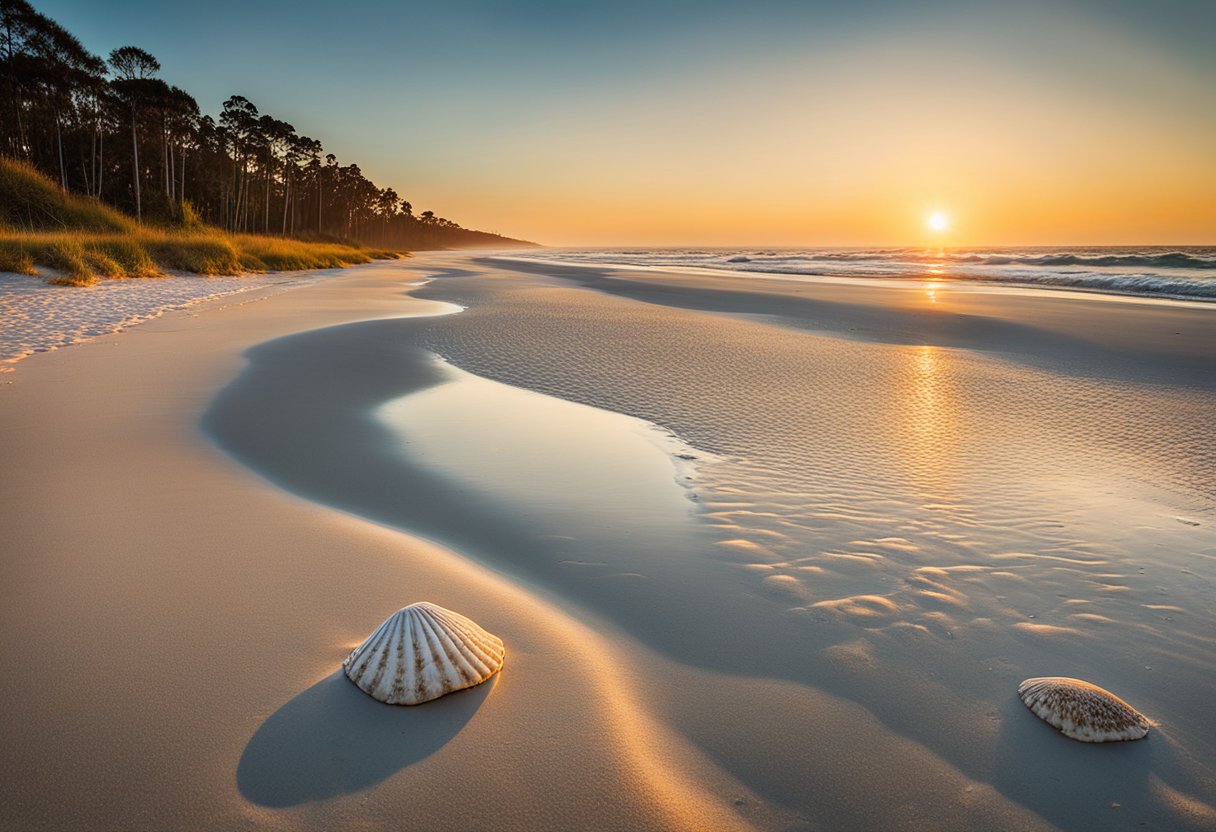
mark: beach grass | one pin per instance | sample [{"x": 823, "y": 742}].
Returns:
[
  {"x": 33, "y": 201},
  {"x": 81, "y": 258},
  {"x": 77, "y": 241}
]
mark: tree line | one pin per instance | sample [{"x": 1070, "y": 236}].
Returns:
[{"x": 114, "y": 130}]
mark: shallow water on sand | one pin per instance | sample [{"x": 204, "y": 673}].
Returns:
[
  {"x": 877, "y": 543},
  {"x": 918, "y": 524},
  {"x": 551, "y": 460}
]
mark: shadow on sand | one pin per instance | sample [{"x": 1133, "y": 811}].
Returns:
[
  {"x": 1078, "y": 785},
  {"x": 333, "y": 739}
]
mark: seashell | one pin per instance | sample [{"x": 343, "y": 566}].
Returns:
[
  {"x": 1082, "y": 710},
  {"x": 422, "y": 652}
]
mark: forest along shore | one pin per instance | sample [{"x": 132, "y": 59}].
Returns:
[
  {"x": 108, "y": 170},
  {"x": 114, "y": 130}
]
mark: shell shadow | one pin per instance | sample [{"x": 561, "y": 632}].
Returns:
[
  {"x": 1075, "y": 785},
  {"x": 334, "y": 739}
]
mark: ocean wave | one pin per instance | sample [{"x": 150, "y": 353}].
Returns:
[
  {"x": 1166, "y": 260},
  {"x": 1163, "y": 260},
  {"x": 1173, "y": 272},
  {"x": 1147, "y": 284}
]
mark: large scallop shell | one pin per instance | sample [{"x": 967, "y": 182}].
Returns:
[
  {"x": 422, "y": 652},
  {"x": 1082, "y": 710}
]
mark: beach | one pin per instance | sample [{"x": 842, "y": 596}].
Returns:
[{"x": 765, "y": 554}]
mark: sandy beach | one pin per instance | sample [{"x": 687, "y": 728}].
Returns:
[{"x": 765, "y": 554}]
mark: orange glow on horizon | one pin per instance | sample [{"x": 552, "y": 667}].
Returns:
[{"x": 859, "y": 144}]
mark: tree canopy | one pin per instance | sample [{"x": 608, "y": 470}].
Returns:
[{"x": 114, "y": 130}]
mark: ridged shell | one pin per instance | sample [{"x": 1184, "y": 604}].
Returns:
[
  {"x": 422, "y": 652},
  {"x": 1082, "y": 710}
]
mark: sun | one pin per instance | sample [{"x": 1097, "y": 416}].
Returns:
[{"x": 938, "y": 221}]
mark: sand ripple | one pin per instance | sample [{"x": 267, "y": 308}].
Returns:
[{"x": 941, "y": 511}]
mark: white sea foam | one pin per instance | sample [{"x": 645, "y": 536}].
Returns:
[{"x": 1161, "y": 272}]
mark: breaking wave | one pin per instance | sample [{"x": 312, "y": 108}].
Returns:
[{"x": 1188, "y": 273}]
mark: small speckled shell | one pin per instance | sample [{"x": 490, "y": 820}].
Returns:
[
  {"x": 1082, "y": 710},
  {"x": 422, "y": 652}
]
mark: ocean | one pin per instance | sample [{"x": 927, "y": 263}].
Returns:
[{"x": 1175, "y": 272}]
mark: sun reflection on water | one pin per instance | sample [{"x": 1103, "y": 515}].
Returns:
[{"x": 930, "y": 424}]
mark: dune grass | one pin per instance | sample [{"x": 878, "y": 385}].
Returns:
[
  {"x": 81, "y": 258},
  {"x": 28, "y": 199},
  {"x": 79, "y": 241}
]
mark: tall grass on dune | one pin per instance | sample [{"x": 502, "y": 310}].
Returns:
[
  {"x": 78, "y": 258},
  {"x": 80, "y": 241},
  {"x": 30, "y": 200}
]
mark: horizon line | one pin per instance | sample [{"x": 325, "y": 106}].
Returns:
[{"x": 876, "y": 245}]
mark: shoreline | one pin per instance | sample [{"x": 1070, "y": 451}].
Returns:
[
  {"x": 13, "y": 286},
  {"x": 977, "y": 283},
  {"x": 1097, "y": 330},
  {"x": 683, "y": 720}
]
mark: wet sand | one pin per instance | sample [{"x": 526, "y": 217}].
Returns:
[{"x": 763, "y": 555}]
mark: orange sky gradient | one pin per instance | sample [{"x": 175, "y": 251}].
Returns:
[
  {"x": 860, "y": 155},
  {"x": 779, "y": 122},
  {"x": 1102, "y": 139}
]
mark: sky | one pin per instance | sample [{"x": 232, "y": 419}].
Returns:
[{"x": 730, "y": 123}]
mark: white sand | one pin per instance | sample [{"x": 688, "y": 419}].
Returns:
[{"x": 36, "y": 316}]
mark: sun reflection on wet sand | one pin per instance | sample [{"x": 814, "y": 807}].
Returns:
[{"x": 928, "y": 414}]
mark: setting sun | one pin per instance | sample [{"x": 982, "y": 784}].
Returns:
[{"x": 938, "y": 221}]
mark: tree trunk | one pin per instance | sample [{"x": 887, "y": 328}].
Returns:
[
  {"x": 63, "y": 176},
  {"x": 164, "y": 159},
  {"x": 238, "y": 184},
  {"x": 172, "y": 174},
  {"x": 139, "y": 211},
  {"x": 237, "y": 165},
  {"x": 266, "y": 206},
  {"x": 25, "y": 145},
  {"x": 245, "y": 216},
  {"x": 286, "y": 199}
]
